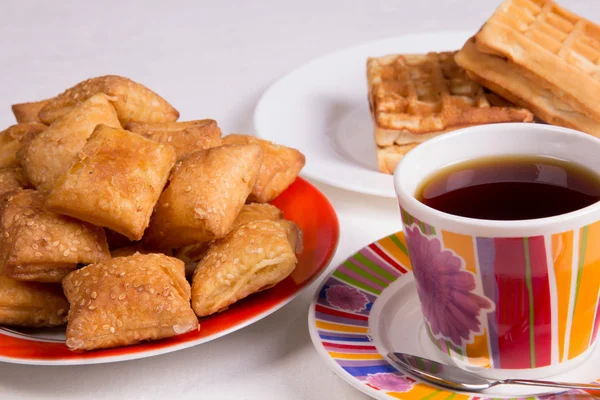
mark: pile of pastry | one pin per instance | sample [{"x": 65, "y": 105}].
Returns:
[
  {"x": 531, "y": 58},
  {"x": 104, "y": 199}
]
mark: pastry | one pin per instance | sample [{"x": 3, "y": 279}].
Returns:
[
  {"x": 185, "y": 137},
  {"x": 40, "y": 245},
  {"x": 416, "y": 97},
  {"x": 206, "y": 192},
  {"x": 250, "y": 212},
  {"x": 136, "y": 248},
  {"x": 100, "y": 186},
  {"x": 12, "y": 179},
  {"x": 280, "y": 167},
  {"x": 12, "y": 138},
  {"x": 132, "y": 101},
  {"x": 32, "y": 304},
  {"x": 48, "y": 155},
  {"x": 28, "y": 112},
  {"x": 115, "y": 182},
  {"x": 127, "y": 300},
  {"x": 251, "y": 258},
  {"x": 257, "y": 212}
]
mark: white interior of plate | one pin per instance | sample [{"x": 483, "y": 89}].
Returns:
[
  {"x": 321, "y": 109},
  {"x": 396, "y": 324}
]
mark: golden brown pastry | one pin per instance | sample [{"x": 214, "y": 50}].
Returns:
[
  {"x": 31, "y": 304},
  {"x": 185, "y": 137},
  {"x": 12, "y": 138},
  {"x": 128, "y": 251},
  {"x": 191, "y": 254},
  {"x": 250, "y": 212},
  {"x": 257, "y": 212},
  {"x": 137, "y": 248},
  {"x": 251, "y": 258},
  {"x": 48, "y": 155},
  {"x": 127, "y": 300},
  {"x": 40, "y": 245},
  {"x": 115, "y": 182},
  {"x": 280, "y": 167},
  {"x": 294, "y": 234},
  {"x": 206, "y": 192},
  {"x": 12, "y": 179},
  {"x": 28, "y": 112},
  {"x": 131, "y": 100}
]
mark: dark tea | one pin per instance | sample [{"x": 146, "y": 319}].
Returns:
[{"x": 511, "y": 188}]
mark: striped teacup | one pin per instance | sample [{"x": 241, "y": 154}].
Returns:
[{"x": 506, "y": 298}]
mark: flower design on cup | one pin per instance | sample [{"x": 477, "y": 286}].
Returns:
[
  {"x": 446, "y": 290},
  {"x": 346, "y": 298},
  {"x": 390, "y": 381}
]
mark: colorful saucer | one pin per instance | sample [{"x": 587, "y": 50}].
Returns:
[
  {"x": 302, "y": 203},
  {"x": 368, "y": 306}
]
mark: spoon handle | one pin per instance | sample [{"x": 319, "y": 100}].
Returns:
[{"x": 566, "y": 385}]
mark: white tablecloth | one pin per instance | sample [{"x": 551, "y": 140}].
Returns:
[{"x": 211, "y": 59}]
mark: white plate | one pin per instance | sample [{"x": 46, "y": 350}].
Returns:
[{"x": 321, "y": 109}]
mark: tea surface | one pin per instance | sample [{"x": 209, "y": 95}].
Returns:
[{"x": 511, "y": 188}]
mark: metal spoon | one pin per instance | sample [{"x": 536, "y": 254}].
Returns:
[{"x": 457, "y": 379}]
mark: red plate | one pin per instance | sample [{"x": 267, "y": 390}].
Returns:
[{"x": 302, "y": 203}]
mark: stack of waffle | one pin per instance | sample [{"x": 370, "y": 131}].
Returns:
[
  {"x": 416, "y": 97},
  {"x": 542, "y": 57},
  {"x": 530, "y": 55}
]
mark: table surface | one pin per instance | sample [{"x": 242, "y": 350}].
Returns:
[{"x": 212, "y": 59}]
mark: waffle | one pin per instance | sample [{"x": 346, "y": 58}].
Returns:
[
  {"x": 389, "y": 156},
  {"x": 416, "y": 97},
  {"x": 520, "y": 86},
  {"x": 557, "y": 50}
]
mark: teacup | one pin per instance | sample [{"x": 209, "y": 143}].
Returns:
[{"x": 505, "y": 298}]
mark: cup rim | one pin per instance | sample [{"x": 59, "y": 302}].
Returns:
[{"x": 500, "y": 228}]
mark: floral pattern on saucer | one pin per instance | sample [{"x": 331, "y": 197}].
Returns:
[
  {"x": 346, "y": 298},
  {"x": 390, "y": 381}
]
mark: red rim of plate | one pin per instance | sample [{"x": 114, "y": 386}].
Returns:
[{"x": 301, "y": 202}]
